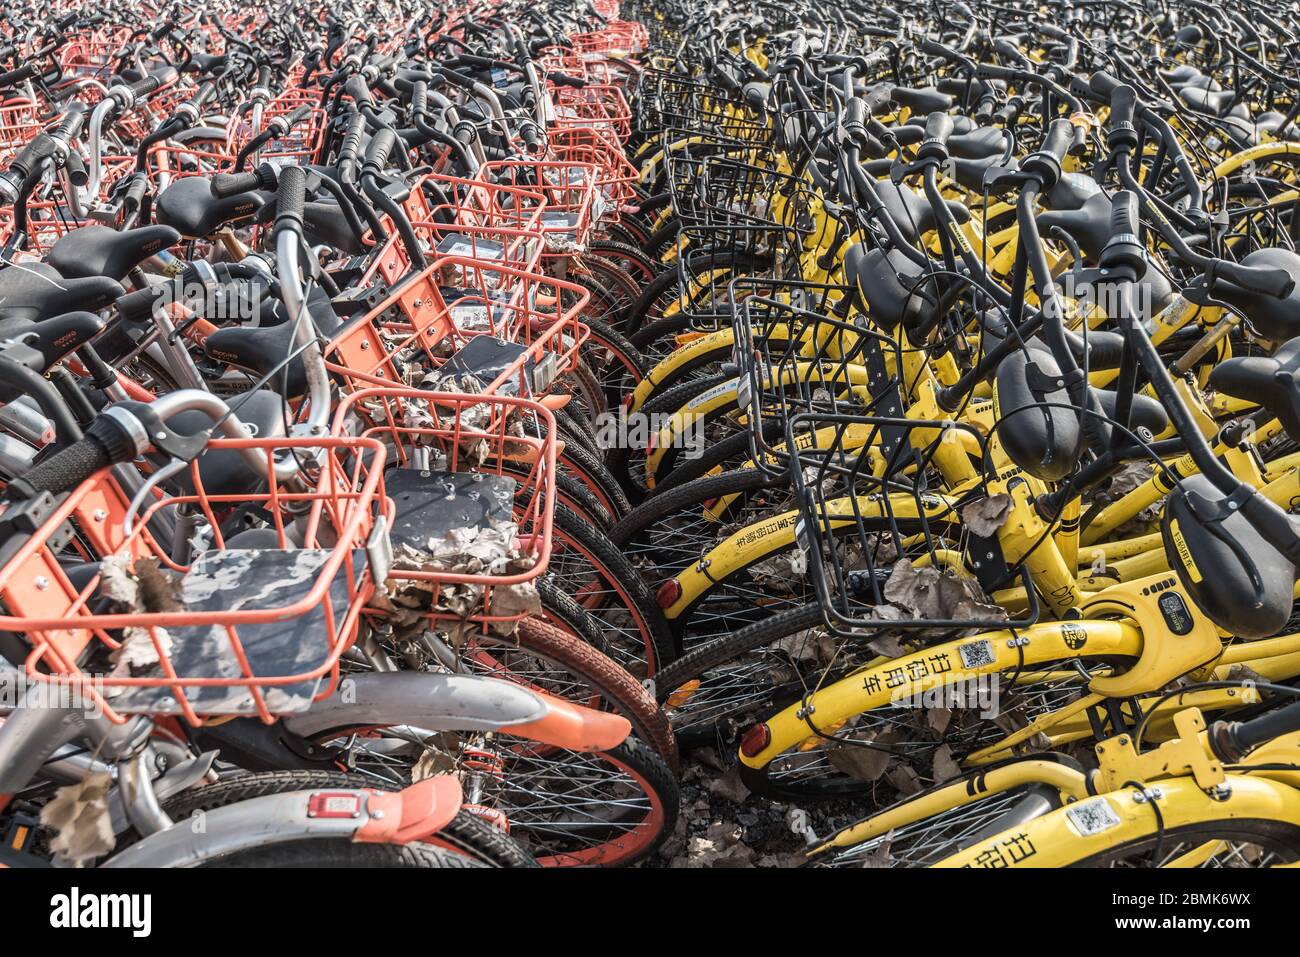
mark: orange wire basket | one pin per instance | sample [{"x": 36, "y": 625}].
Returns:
[
  {"x": 245, "y": 631},
  {"x": 569, "y": 194},
  {"x": 532, "y": 321},
  {"x": 469, "y": 483}
]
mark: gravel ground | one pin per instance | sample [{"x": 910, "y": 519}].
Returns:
[{"x": 723, "y": 825}]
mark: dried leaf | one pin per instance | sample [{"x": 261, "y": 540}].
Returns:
[
  {"x": 78, "y": 814},
  {"x": 730, "y": 786},
  {"x": 862, "y": 763},
  {"x": 986, "y": 515},
  {"x": 945, "y": 768}
]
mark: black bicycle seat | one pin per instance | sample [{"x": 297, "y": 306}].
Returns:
[
  {"x": 189, "y": 206},
  {"x": 911, "y": 212},
  {"x": 259, "y": 349},
  {"x": 1071, "y": 191},
  {"x": 981, "y": 143},
  {"x": 971, "y": 173},
  {"x": 52, "y": 339},
  {"x": 1089, "y": 225},
  {"x": 1145, "y": 412},
  {"x": 892, "y": 287},
  {"x": 1273, "y": 382},
  {"x": 1214, "y": 103},
  {"x": 36, "y": 291},
  {"x": 100, "y": 251},
  {"x": 225, "y": 471},
  {"x": 1276, "y": 319},
  {"x": 1039, "y": 429},
  {"x": 922, "y": 100},
  {"x": 1241, "y": 582}
]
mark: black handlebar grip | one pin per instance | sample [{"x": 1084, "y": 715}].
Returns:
[
  {"x": 1060, "y": 135},
  {"x": 379, "y": 149},
  {"x": 1277, "y": 283},
  {"x": 351, "y": 145},
  {"x": 37, "y": 150},
  {"x": 76, "y": 169},
  {"x": 64, "y": 470},
  {"x": 70, "y": 126},
  {"x": 532, "y": 141},
  {"x": 205, "y": 92},
  {"x": 938, "y": 126},
  {"x": 1233, "y": 740},
  {"x": 563, "y": 79},
  {"x": 1124, "y": 213},
  {"x": 142, "y": 88},
  {"x": 356, "y": 88},
  {"x": 291, "y": 198},
  {"x": 296, "y": 117},
  {"x": 1123, "y": 102},
  {"x": 232, "y": 184},
  {"x": 264, "y": 77},
  {"x": 878, "y": 98},
  {"x": 1103, "y": 84},
  {"x": 135, "y": 190},
  {"x": 419, "y": 98},
  {"x": 14, "y": 77}
]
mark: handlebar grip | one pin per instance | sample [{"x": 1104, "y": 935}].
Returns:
[
  {"x": 64, "y": 470},
  {"x": 70, "y": 125},
  {"x": 291, "y": 198},
  {"x": 1233, "y": 740},
  {"x": 930, "y": 48},
  {"x": 532, "y": 140},
  {"x": 563, "y": 79},
  {"x": 357, "y": 88},
  {"x": 350, "y": 148},
  {"x": 76, "y": 169},
  {"x": 380, "y": 148},
  {"x": 1277, "y": 283},
  {"x": 296, "y": 117},
  {"x": 1103, "y": 84},
  {"x": 1059, "y": 138},
  {"x": 38, "y": 149},
  {"x": 142, "y": 88},
  {"x": 202, "y": 95},
  {"x": 138, "y": 306},
  {"x": 225, "y": 185},
  {"x": 1123, "y": 102},
  {"x": 938, "y": 127},
  {"x": 1124, "y": 213},
  {"x": 14, "y": 77},
  {"x": 264, "y": 77}
]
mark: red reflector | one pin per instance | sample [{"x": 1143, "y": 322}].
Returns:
[
  {"x": 668, "y": 593},
  {"x": 332, "y": 804},
  {"x": 755, "y": 740}
]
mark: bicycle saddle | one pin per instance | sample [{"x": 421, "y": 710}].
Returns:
[
  {"x": 52, "y": 339},
  {"x": 891, "y": 285},
  {"x": 100, "y": 251},
  {"x": 1241, "y": 582},
  {"x": 1214, "y": 103},
  {"x": 1039, "y": 428},
  {"x": 981, "y": 143},
  {"x": 1089, "y": 225},
  {"x": 259, "y": 349},
  {"x": 1276, "y": 319},
  {"x": 922, "y": 100},
  {"x": 224, "y": 471},
  {"x": 323, "y": 223},
  {"x": 36, "y": 291},
  {"x": 972, "y": 173},
  {"x": 1272, "y": 382},
  {"x": 1071, "y": 191},
  {"x": 188, "y": 206},
  {"x": 911, "y": 212}
]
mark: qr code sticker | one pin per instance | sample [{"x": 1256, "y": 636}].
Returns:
[
  {"x": 976, "y": 654},
  {"x": 1092, "y": 817}
]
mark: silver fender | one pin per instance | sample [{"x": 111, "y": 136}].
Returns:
[
  {"x": 435, "y": 702},
  {"x": 349, "y": 813}
]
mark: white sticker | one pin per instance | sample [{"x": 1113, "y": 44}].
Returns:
[{"x": 1092, "y": 817}]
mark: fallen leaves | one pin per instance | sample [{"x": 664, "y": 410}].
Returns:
[{"x": 78, "y": 815}]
